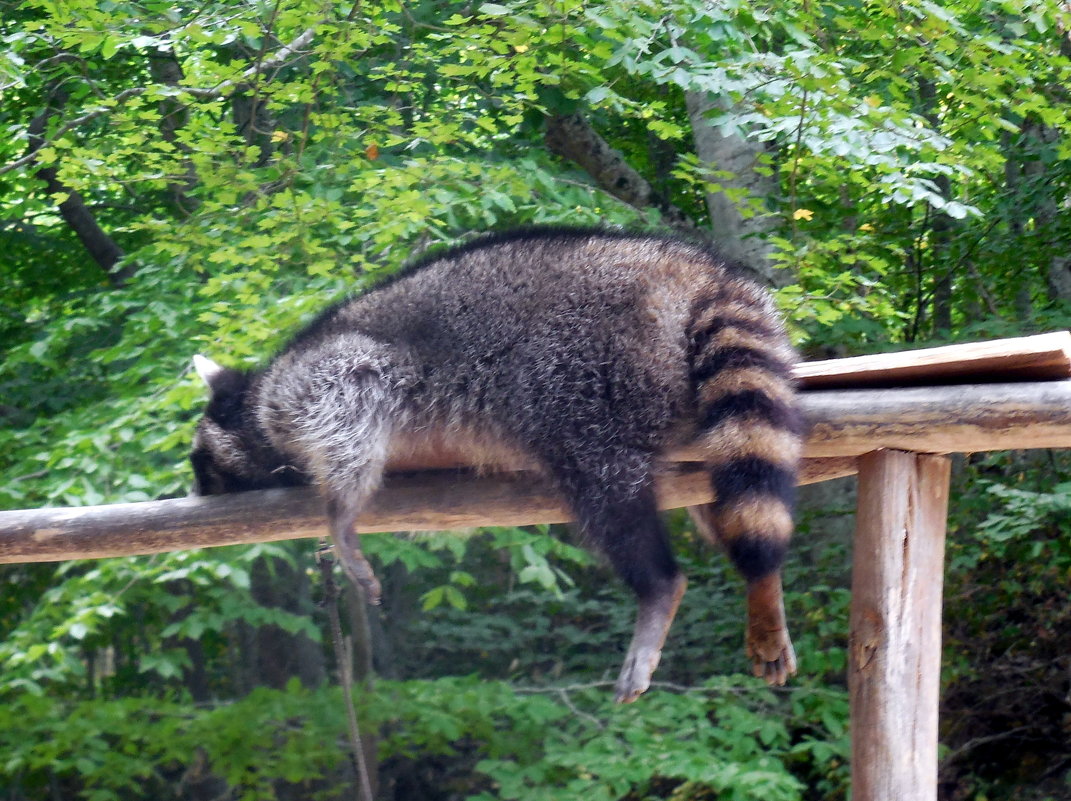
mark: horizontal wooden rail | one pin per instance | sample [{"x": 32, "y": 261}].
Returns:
[
  {"x": 432, "y": 501},
  {"x": 844, "y": 424},
  {"x": 957, "y": 419}
]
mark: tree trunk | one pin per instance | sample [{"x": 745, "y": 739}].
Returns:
[
  {"x": 941, "y": 263},
  {"x": 165, "y": 69},
  {"x": 1059, "y": 279},
  {"x": 1041, "y": 137},
  {"x": 1059, "y": 273},
  {"x": 1014, "y": 218},
  {"x": 253, "y": 119},
  {"x": 741, "y": 237},
  {"x": 280, "y": 655},
  {"x": 941, "y": 227}
]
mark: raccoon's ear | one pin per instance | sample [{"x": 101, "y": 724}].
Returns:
[{"x": 214, "y": 375}]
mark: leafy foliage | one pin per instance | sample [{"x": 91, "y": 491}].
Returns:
[
  {"x": 1009, "y": 566},
  {"x": 252, "y": 162}
]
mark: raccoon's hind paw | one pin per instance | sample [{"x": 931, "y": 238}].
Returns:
[
  {"x": 768, "y": 645},
  {"x": 653, "y": 620},
  {"x": 359, "y": 572},
  {"x": 772, "y": 656}
]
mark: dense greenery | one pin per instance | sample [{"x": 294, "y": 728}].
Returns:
[{"x": 181, "y": 178}]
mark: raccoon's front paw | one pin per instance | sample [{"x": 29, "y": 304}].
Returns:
[
  {"x": 771, "y": 653},
  {"x": 359, "y": 572},
  {"x": 635, "y": 678}
]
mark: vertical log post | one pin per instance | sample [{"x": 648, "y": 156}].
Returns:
[{"x": 895, "y": 641}]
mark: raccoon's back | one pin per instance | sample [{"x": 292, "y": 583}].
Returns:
[
  {"x": 544, "y": 318},
  {"x": 544, "y": 284},
  {"x": 571, "y": 335}
]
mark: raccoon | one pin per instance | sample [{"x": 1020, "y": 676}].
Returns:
[{"x": 585, "y": 353}]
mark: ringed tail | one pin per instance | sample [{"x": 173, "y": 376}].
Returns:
[{"x": 748, "y": 424}]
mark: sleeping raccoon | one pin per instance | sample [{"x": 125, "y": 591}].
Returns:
[{"x": 585, "y": 353}]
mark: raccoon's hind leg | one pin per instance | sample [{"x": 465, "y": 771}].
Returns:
[
  {"x": 655, "y": 614},
  {"x": 350, "y": 476},
  {"x": 616, "y": 510},
  {"x": 342, "y": 518},
  {"x": 767, "y": 642}
]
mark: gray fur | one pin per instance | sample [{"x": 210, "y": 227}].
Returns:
[{"x": 576, "y": 350}]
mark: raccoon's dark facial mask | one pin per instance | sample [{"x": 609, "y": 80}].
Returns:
[
  {"x": 216, "y": 458},
  {"x": 227, "y": 454}
]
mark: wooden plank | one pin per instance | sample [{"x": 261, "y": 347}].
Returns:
[
  {"x": 895, "y": 625},
  {"x": 1034, "y": 358}
]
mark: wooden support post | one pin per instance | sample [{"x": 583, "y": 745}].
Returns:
[{"x": 895, "y": 642}]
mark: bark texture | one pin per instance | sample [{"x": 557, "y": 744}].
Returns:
[
  {"x": 895, "y": 641},
  {"x": 741, "y": 237}
]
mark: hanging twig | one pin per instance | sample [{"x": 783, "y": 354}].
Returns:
[{"x": 345, "y": 669}]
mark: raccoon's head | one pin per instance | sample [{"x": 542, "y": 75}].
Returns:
[{"x": 230, "y": 453}]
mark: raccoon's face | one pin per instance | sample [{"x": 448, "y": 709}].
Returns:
[
  {"x": 229, "y": 452},
  {"x": 218, "y": 461}
]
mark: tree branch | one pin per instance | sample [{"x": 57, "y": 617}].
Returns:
[
  {"x": 31, "y": 156},
  {"x": 103, "y": 249},
  {"x": 572, "y": 137},
  {"x": 277, "y": 61}
]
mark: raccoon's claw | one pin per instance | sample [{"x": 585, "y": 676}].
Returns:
[{"x": 360, "y": 573}]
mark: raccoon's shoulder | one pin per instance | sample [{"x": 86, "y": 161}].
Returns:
[{"x": 338, "y": 316}]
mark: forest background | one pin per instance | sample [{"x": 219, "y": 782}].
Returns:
[{"x": 182, "y": 178}]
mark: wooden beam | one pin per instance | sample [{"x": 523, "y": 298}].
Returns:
[
  {"x": 814, "y": 471},
  {"x": 442, "y": 500},
  {"x": 964, "y": 419},
  {"x": 1034, "y": 358},
  {"x": 895, "y": 639},
  {"x": 438, "y": 501},
  {"x": 843, "y": 423},
  {"x": 955, "y": 419}
]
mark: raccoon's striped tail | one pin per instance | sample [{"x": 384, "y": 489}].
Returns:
[{"x": 749, "y": 430}]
